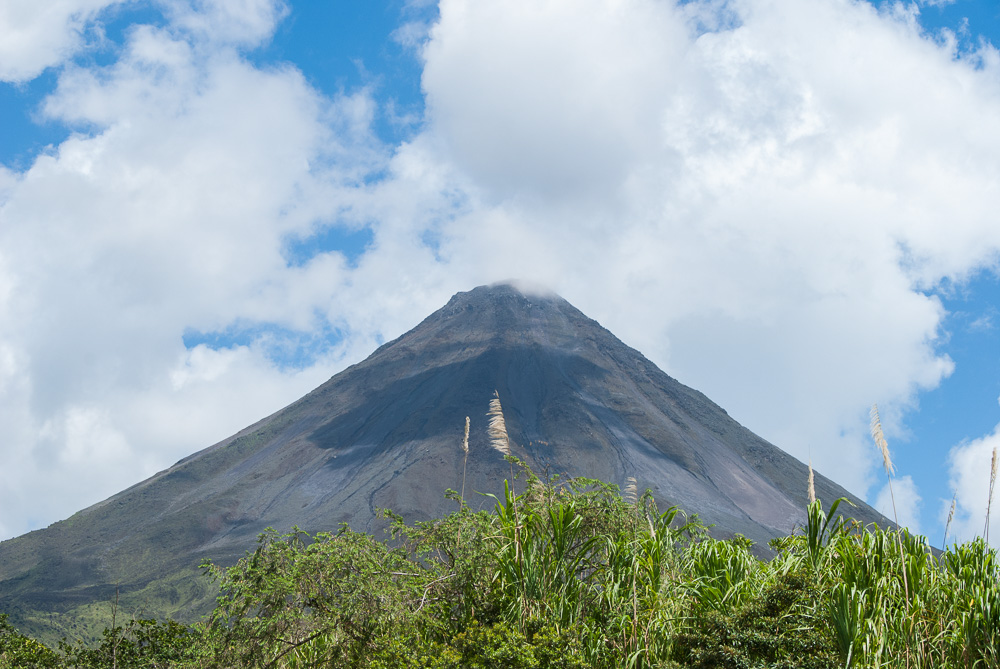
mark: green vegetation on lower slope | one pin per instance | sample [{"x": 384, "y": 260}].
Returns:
[
  {"x": 183, "y": 595},
  {"x": 61, "y": 581},
  {"x": 571, "y": 574}
]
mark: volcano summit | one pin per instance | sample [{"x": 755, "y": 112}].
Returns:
[{"x": 387, "y": 433}]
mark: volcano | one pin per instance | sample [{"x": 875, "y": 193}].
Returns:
[{"x": 387, "y": 433}]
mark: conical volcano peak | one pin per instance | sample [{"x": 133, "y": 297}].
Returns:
[
  {"x": 506, "y": 314},
  {"x": 387, "y": 433}
]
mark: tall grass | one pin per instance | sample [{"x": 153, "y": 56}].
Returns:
[
  {"x": 568, "y": 575},
  {"x": 989, "y": 500},
  {"x": 951, "y": 516},
  {"x": 883, "y": 446},
  {"x": 498, "y": 426},
  {"x": 465, "y": 458},
  {"x": 811, "y": 485}
]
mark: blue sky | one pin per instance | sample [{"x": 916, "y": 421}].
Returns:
[{"x": 208, "y": 207}]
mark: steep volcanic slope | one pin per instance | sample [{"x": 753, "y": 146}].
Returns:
[{"x": 386, "y": 433}]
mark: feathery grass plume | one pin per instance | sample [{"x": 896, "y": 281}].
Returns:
[
  {"x": 631, "y": 495},
  {"x": 497, "y": 430},
  {"x": 989, "y": 501},
  {"x": 812, "y": 484},
  {"x": 883, "y": 446},
  {"x": 879, "y": 438},
  {"x": 465, "y": 459},
  {"x": 498, "y": 427},
  {"x": 947, "y": 525},
  {"x": 465, "y": 441}
]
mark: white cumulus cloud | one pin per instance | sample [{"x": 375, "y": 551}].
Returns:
[
  {"x": 756, "y": 194},
  {"x": 191, "y": 170},
  {"x": 35, "y": 35},
  {"x": 246, "y": 22},
  {"x": 757, "y": 206}
]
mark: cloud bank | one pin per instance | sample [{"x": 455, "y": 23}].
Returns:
[{"x": 757, "y": 194}]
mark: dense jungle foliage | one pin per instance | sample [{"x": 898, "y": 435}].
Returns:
[{"x": 572, "y": 574}]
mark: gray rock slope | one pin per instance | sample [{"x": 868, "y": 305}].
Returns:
[{"x": 387, "y": 433}]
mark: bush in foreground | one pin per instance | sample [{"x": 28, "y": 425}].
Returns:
[{"x": 569, "y": 574}]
